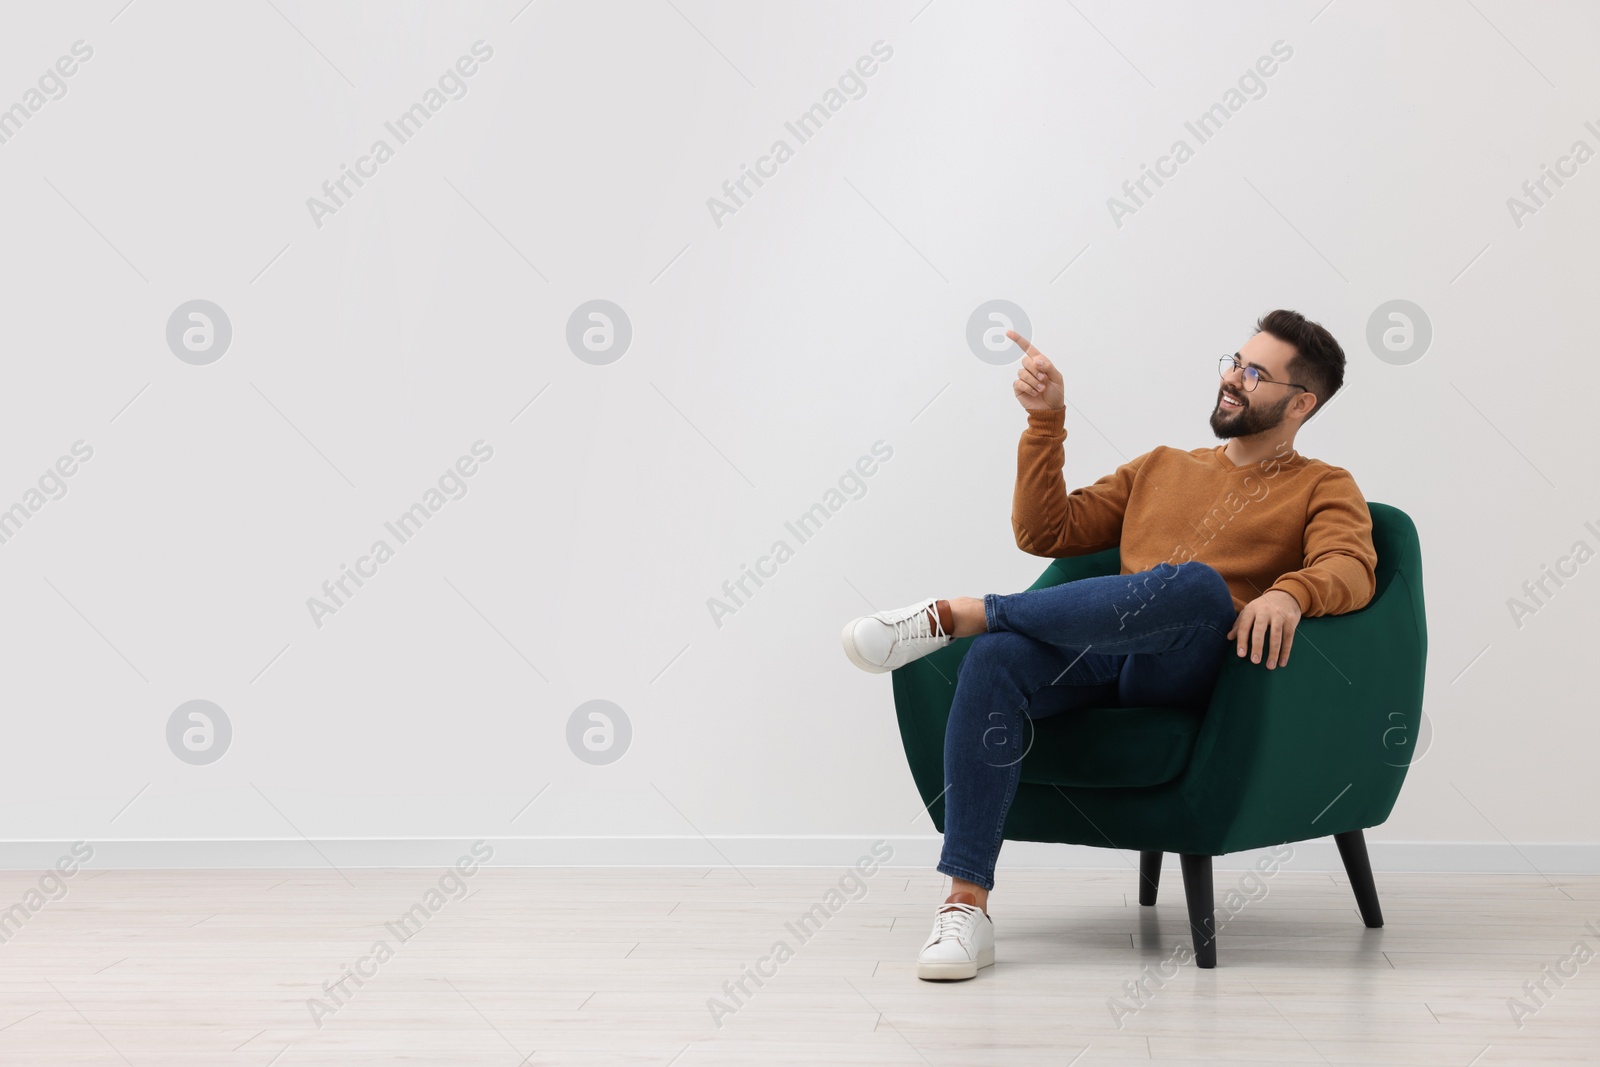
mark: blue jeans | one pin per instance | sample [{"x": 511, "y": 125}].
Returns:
[{"x": 1157, "y": 637}]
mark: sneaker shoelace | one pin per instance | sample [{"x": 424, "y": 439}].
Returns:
[
  {"x": 917, "y": 627},
  {"x": 955, "y": 921}
]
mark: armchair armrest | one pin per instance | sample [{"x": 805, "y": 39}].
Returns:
[{"x": 1309, "y": 749}]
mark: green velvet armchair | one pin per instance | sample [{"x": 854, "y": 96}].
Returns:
[{"x": 1312, "y": 749}]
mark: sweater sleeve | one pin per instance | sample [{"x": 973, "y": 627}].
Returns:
[
  {"x": 1340, "y": 572},
  {"x": 1049, "y": 521}
]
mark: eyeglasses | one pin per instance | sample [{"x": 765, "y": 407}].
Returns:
[{"x": 1251, "y": 375}]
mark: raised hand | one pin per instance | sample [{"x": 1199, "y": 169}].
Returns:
[{"x": 1038, "y": 384}]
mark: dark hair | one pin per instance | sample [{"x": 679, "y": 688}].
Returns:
[{"x": 1318, "y": 361}]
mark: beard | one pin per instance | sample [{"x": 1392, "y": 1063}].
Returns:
[{"x": 1252, "y": 418}]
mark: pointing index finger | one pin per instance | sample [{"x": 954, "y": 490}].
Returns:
[
  {"x": 1025, "y": 344},
  {"x": 1032, "y": 358}
]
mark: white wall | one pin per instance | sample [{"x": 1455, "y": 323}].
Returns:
[{"x": 768, "y": 355}]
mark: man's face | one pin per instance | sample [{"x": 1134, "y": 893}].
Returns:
[{"x": 1239, "y": 413}]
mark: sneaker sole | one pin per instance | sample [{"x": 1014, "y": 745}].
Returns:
[
  {"x": 947, "y": 972},
  {"x": 848, "y": 637}
]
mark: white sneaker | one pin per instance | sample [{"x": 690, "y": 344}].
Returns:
[
  {"x": 962, "y": 941},
  {"x": 889, "y": 639}
]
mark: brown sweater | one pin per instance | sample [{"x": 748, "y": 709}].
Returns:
[{"x": 1288, "y": 523}]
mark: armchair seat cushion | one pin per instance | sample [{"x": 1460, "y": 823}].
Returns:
[{"x": 1104, "y": 748}]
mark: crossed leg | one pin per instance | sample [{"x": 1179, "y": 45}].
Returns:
[{"x": 1156, "y": 637}]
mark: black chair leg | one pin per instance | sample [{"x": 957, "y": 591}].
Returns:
[
  {"x": 1353, "y": 850},
  {"x": 1202, "y": 908},
  {"x": 1149, "y": 877}
]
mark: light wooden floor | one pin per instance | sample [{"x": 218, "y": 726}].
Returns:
[{"x": 614, "y": 966}]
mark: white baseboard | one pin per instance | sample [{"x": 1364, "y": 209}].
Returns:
[{"x": 688, "y": 850}]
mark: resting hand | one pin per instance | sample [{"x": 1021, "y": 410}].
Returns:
[{"x": 1269, "y": 619}]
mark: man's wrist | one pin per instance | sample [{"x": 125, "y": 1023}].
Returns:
[{"x": 1290, "y": 592}]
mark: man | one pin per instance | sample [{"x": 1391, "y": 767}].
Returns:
[{"x": 1226, "y": 546}]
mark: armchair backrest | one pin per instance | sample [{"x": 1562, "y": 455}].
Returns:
[{"x": 1394, "y": 535}]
